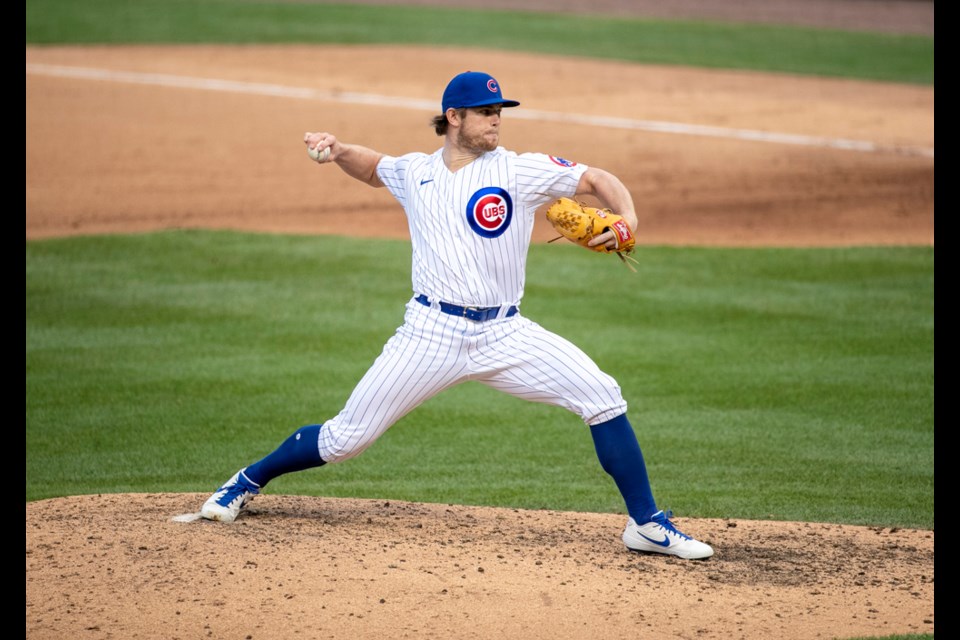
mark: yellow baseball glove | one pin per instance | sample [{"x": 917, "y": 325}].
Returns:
[{"x": 580, "y": 224}]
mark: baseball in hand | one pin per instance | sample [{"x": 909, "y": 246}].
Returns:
[{"x": 319, "y": 156}]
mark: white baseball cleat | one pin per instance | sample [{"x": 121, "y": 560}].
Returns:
[
  {"x": 660, "y": 536},
  {"x": 229, "y": 500}
]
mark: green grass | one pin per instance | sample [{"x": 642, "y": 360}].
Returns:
[
  {"x": 807, "y": 51},
  {"x": 770, "y": 384}
]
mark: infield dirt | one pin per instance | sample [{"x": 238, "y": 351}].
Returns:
[{"x": 148, "y": 156}]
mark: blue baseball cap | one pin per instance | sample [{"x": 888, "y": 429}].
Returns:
[{"x": 474, "y": 89}]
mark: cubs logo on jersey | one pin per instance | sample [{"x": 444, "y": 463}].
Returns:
[
  {"x": 563, "y": 162},
  {"x": 490, "y": 211}
]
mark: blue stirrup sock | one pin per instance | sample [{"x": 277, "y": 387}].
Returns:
[
  {"x": 298, "y": 452},
  {"x": 620, "y": 456}
]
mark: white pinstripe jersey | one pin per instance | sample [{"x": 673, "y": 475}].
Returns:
[{"x": 471, "y": 229}]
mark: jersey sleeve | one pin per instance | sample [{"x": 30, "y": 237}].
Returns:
[
  {"x": 542, "y": 177},
  {"x": 391, "y": 171}
]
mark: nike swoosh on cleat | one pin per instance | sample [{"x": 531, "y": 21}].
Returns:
[
  {"x": 661, "y": 543},
  {"x": 423, "y": 182}
]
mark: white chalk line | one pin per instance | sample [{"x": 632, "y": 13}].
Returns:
[{"x": 348, "y": 97}]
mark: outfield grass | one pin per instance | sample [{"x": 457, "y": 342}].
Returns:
[
  {"x": 770, "y": 384},
  {"x": 808, "y": 51}
]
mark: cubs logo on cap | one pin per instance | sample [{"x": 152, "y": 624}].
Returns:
[
  {"x": 490, "y": 211},
  {"x": 474, "y": 89}
]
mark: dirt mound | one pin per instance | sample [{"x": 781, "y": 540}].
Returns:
[{"x": 118, "y": 566}]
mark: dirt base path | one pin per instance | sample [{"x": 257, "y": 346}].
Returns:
[
  {"x": 150, "y": 143},
  {"x": 164, "y": 140}
]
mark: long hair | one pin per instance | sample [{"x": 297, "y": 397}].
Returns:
[{"x": 440, "y": 122}]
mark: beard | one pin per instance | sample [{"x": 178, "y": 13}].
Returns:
[{"x": 478, "y": 143}]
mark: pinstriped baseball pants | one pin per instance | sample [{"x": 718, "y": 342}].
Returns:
[{"x": 433, "y": 351}]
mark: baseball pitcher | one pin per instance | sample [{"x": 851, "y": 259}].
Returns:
[{"x": 470, "y": 206}]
